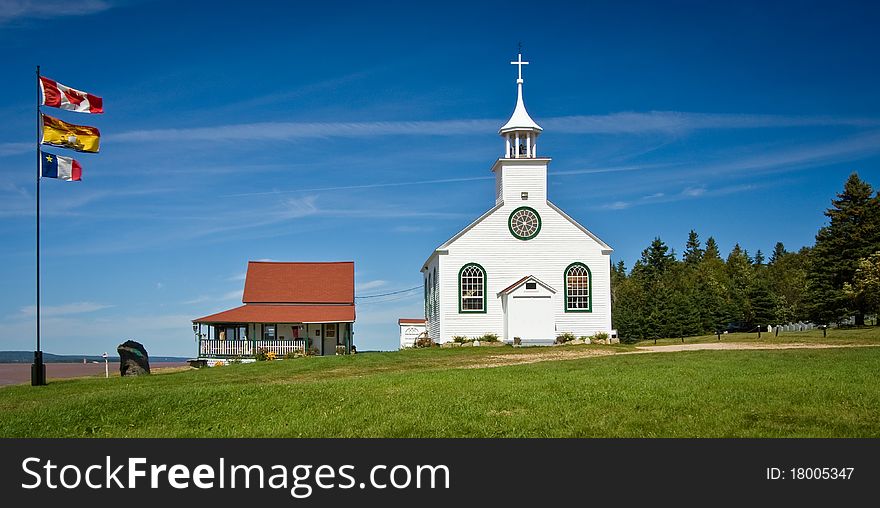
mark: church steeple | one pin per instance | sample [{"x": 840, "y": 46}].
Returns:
[{"x": 520, "y": 133}]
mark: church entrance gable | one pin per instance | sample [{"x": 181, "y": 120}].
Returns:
[{"x": 529, "y": 312}]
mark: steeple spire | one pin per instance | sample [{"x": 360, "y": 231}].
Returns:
[{"x": 520, "y": 132}]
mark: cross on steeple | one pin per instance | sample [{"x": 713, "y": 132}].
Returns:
[{"x": 519, "y": 63}]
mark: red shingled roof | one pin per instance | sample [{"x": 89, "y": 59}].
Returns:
[
  {"x": 410, "y": 321},
  {"x": 282, "y": 314},
  {"x": 270, "y": 282}
]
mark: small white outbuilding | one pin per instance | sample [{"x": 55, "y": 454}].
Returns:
[{"x": 410, "y": 330}]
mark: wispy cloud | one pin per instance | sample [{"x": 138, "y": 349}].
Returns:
[
  {"x": 841, "y": 150},
  {"x": 667, "y": 122},
  {"x": 43, "y": 9},
  {"x": 690, "y": 192},
  {"x": 610, "y": 169},
  {"x": 672, "y": 122},
  {"x": 411, "y": 229},
  {"x": 14, "y": 148},
  {"x": 283, "y": 131},
  {"x": 675, "y": 122},
  {"x": 363, "y": 186},
  {"x": 237, "y": 277},
  {"x": 62, "y": 310},
  {"x": 372, "y": 284},
  {"x": 222, "y": 297}
]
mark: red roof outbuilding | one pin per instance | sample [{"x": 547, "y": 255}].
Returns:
[{"x": 410, "y": 321}]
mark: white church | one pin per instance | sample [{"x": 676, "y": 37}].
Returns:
[{"x": 524, "y": 270}]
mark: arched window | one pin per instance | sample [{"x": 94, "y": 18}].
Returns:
[
  {"x": 436, "y": 292},
  {"x": 578, "y": 288},
  {"x": 472, "y": 288},
  {"x": 426, "y": 296},
  {"x": 430, "y": 295}
]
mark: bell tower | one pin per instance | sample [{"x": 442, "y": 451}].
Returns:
[
  {"x": 520, "y": 175},
  {"x": 520, "y": 133}
]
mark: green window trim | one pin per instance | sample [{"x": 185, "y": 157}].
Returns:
[
  {"x": 436, "y": 293},
  {"x": 510, "y": 223},
  {"x": 427, "y": 315},
  {"x": 589, "y": 287},
  {"x": 462, "y": 310}
]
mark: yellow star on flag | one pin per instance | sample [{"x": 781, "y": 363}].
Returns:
[{"x": 48, "y": 158}]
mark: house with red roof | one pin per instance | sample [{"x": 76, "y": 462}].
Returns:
[{"x": 286, "y": 308}]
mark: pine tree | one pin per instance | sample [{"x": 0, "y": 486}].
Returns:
[
  {"x": 740, "y": 274},
  {"x": 853, "y": 233},
  {"x": 778, "y": 252},
  {"x": 656, "y": 258},
  {"x": 759, "y": 258},
  {"x": 711, "y": 251},
  {"x": 761, "y": 304},
  {"x": 693, "y": 254}
]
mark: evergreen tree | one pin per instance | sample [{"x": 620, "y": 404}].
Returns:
[
  {"x": 740, "y": 275},
  {"x": 778, "y": 252},
  {"x": 759, "y": 258},
  {"x": 656, "y": 259},
  {"x": 693, "y": 254},
  {"x": 761, "y": 304},
  {"x": 853, "y": 233},
  {"x": 711, "y": 251}
]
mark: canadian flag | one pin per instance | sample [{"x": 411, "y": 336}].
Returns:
[{"x": 60, "y": 96}]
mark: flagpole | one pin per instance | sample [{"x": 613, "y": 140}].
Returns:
[{"x": 38, "y": 369}]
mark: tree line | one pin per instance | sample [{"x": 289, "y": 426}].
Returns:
[{"x": 836, "y": 279}]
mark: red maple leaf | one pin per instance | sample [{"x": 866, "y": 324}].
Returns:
[{"x": 74, "y": 97}]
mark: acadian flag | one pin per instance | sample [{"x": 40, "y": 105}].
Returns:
[
  {"x": 59, "y": 133},
  {"x": 55, "y": 166},
  {"x": 60, "y": 96}
]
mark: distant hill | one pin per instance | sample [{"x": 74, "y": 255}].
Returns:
[{"x": 28, "y": 357}]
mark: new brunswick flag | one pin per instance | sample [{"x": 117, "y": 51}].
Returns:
[{"x": 59, "y": 133}]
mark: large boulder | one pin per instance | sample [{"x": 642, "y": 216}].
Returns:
[{"x": 133, "y": 359}]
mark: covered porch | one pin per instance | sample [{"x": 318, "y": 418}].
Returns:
[
  {"x": 241, "y": 333},
  {"x": 244, "y": 340}
]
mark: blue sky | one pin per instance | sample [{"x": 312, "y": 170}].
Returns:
[{"x": 366, "y": 132}]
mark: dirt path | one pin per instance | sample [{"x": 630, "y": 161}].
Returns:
[
  {"x": 525, "y": 358},
  {"x": 574, "y": 354}
]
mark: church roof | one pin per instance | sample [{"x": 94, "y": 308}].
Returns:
[
  {"x": 606, "y": 249},
  {"x": 520, "y": 119}
]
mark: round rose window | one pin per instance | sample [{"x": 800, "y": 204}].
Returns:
[{"x": 524, "y": 223}]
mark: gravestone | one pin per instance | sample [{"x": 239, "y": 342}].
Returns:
[{"x": 133, "y": 359}]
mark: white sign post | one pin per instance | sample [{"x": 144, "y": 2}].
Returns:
[{"x": 106, "y": 366}]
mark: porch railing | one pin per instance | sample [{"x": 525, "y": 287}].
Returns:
[{"x": 213, "y": 348}]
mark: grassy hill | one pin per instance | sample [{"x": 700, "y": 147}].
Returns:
[{"x": 570, "y": 391}]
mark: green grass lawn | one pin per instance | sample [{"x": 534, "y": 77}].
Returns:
[{"x": 433, "y": 393}]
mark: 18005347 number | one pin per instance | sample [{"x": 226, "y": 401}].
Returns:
[{"x": 821, "y": 473}]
